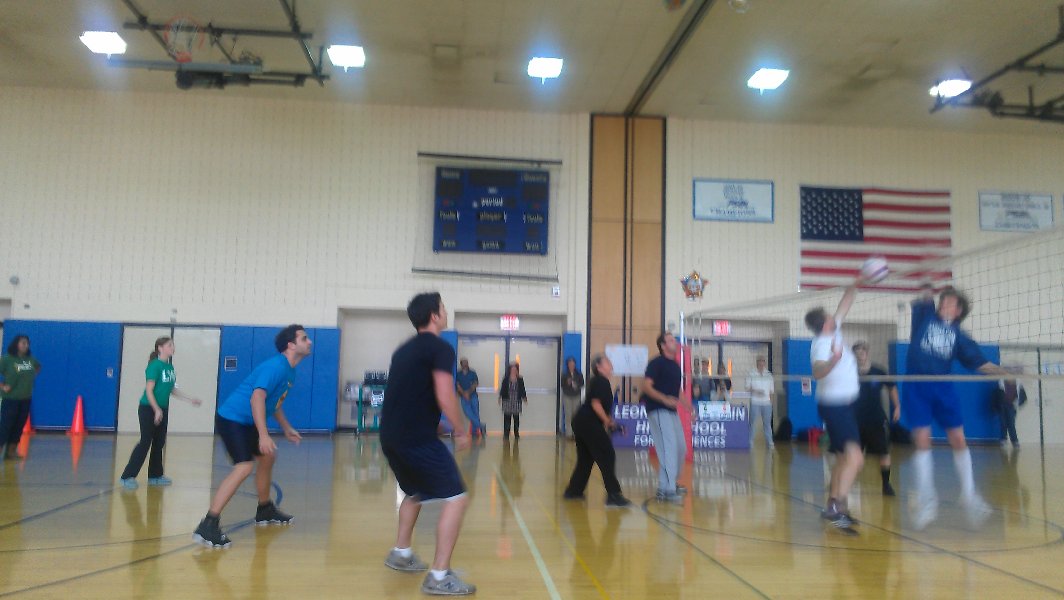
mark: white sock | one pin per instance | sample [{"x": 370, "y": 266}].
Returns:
[
  {"x": 924, "y": 466},
  {"x": 962, "y": 461},
  {"x": 404, "y": 552},
  {"x": 438, "y": 575}
]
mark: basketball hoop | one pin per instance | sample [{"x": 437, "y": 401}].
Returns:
[{"x": 183, "y": 35}]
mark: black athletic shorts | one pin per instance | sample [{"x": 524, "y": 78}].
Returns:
[
  {"x": 875, "y": 437},
  {"x": 426, "y": 472},
  {"x": 841, "y": 424},
  {"x": 241, "y": 441}
]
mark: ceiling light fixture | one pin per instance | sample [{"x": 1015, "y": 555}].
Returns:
[
  {"x": 950, "y": 87},
  {"x": 347, "y": 57},
  {"x": 545, "y": 68},
  {"x": 103, "y": 42},
  {"x": 767, "y": 79}
]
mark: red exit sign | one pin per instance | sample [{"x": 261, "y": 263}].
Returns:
[
  {"x": 509, "y": 323},
  {"x": 721, "y": 328}
]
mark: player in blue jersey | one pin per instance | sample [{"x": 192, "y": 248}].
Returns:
[
  {"x": 936, "y": 340},
  {"x": 241, "y": 422}
]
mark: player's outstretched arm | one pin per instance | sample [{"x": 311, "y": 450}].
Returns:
[{"x": 847, "y": 300}]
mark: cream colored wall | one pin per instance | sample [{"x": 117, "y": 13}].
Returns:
[
  {"x": 122, "y": 206},
  {"x": 747, "y": 263}
]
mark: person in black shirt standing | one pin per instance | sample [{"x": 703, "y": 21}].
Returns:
[
  {"x": 420, "y": 387},
  {"x": 871, "y": 420},
  {"x": 592, "y": 426}
]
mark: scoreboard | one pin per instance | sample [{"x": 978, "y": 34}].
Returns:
[{"x": 491, "y": 210}]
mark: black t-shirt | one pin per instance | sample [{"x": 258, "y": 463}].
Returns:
[
  {"x": 665, "y": 373},
  {"x": 598, "y": 388},
  {"x": 869, "y": 405},
  {"x": 410, "y": 413}
]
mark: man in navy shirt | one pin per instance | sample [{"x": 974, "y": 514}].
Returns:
[
  {"x": 241, "y": 422},
  {"x": 936, "y": 341},
  {"x": 421, "y": 387},
  {"x": 661, "y": 395}
]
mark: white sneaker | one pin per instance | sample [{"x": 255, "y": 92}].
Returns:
[
  {"x": 924, "y": 510},
  {"x": 976, "y": 510}
]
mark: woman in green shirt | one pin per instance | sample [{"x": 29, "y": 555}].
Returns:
[
  {"x": 19, "y": 369},
  {"x": 152, "y": 412}
]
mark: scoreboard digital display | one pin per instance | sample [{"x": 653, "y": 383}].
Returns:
[{"x": 491, "y": 210}]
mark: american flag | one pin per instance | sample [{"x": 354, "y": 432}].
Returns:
[{"x": 841, "y": 227}]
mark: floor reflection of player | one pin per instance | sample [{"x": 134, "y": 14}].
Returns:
[
  {"x": 512, "y": 473},
  {"x": 146, "y": 527},
  {"x": 597, "y": 556}
]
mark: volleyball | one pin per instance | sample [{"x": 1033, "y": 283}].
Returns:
[{"x": 875, "y": 269}]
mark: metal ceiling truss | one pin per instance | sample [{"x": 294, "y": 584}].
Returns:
[
  {"x": 982, "y": 96},
  {"x": 243, "y": 70}
]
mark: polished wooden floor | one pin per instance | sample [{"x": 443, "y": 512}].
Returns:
[{"x": 749, "y": 528}]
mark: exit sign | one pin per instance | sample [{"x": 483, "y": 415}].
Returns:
[
  {"x": 509, "y": 323},
  {"x": 721, "y": 328}
]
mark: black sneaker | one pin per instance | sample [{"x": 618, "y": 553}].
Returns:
[
  {"x": 267, "y": 514},
  {"x": 617, "y": 501},
  {"x": 209, "y": 533},
  {"x": 888, "y": 490},
  {"x": 839, "y": 520}
]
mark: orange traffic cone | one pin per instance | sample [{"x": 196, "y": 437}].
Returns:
[
  {"x": 23, "y": 449},
  {"x": 78, "y": 426},
  {"x": 28, "y": 429}
]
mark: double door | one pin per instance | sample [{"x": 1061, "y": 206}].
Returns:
[{"x": 539, "y": 359}]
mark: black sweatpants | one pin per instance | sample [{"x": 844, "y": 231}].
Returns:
[
  {"x": 13, "y": 415},
  {"x": 593, "y": 446},
  {"x": 151, "y": 436},
  {"x": 506, "y": 424}
]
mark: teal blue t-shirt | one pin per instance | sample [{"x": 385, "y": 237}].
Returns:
[{"x": 274, "y": 376}]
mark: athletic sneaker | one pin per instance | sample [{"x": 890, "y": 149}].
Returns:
[
  {"x": 268, "y": 514},
  {"x": 976, "y": 510},
  {"x": 838, "y": 519},
  {"x": 404, "y": 563},
  {"x": 160, "y": 481},
  {"x": 129, "y": 483},
  {"x": 681, "y": 490},
  {"x": 209, "y": 533},
  {"x": 672, "y": 498},
  {"x": 888, "y": 490},
  {"x": 617, "y": 501},
  {"x": 450, "y": 585},
  {"x": 924, "y": 510}
]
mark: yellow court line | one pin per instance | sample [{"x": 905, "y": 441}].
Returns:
[{"x": 572, "y": 548}]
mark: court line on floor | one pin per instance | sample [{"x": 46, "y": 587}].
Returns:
[
  {"x": 908, "y": 538},
  {"x": 542, "y": 566},
  {"x": 664, "y": 525},
  {"x": 52, "y": 511},
  {"x": 572, "y": 548},
  {"x": 124, "y": 565}
]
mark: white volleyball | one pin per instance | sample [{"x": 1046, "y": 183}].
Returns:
[{"x": 875, "y": 269}]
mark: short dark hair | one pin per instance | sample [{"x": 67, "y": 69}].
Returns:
[
  {"x": 12, "y": 348},
  {"x": 422, "y": 307},
  {"x": 286, "y": 336},
  {"x": 962, "y": 301},
  {"x": 860, "y": 344},
  {"x": 661, "y": 339},
  {"x": 815, "y": 320}
]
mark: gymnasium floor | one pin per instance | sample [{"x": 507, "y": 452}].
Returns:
[{"x": 749, "y": 528}]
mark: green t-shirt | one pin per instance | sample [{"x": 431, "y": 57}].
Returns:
[
  {"x": 19, "y": 372},
  {"x": 162, "y": 373}
]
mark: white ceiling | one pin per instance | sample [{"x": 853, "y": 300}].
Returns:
[{"x": 853, "y": 62}]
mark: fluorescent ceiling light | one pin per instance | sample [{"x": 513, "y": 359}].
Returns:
[
  {"x": 767, "y": 79},
  {"x": 545, "y": 68},
  {"x": 950, "y": 88},
  {"x": 347, "y": 56},
  {"x": 104, "y": 42}
]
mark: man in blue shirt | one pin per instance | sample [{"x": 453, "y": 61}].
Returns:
[
  {"x": 936, "y": 340},
  {"x": 466, "y": 383},
  {"x": 661, "y": 395},
  {"x": 241, "y": 422}
]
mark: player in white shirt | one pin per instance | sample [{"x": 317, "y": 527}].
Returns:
[{"x": 835, "y": 369}]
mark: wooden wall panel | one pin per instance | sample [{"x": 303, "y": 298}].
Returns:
[
  {"x": 607, "y": 168},
  {"x": 648, "y": 144},
  {"x": 646, "y": 282},
  {"x": 607, "y": 255}
]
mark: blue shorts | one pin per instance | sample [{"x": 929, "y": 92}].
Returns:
[
  {"x": 841, "y": 422},
  {"x": 927, "y": 401},
  {"x": 426, "y": 472},
  {"x": 241, "y": 441}
]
